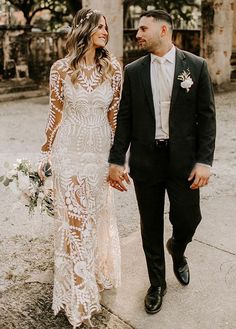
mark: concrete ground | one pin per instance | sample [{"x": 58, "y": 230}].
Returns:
[
  {"x": 210, "y": 299},
  {"x": 209, "y": 302}
]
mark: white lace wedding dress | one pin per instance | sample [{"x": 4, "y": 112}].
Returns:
[{"x": 79, "y": 137}]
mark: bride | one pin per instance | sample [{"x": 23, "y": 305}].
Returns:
[{"x": 84, "y": 97}]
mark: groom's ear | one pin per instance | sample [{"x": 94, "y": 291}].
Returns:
[{"x": 164, "y": 30}]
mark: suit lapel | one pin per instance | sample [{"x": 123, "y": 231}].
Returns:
[
  {"x": 146, "y": 80},
  {"x": 180, "y": 65}
]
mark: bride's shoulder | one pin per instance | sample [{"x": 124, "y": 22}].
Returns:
[
  {"x": 61, "y": 66},
  {"x": 116, "y": 64}
]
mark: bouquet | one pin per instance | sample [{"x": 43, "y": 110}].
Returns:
[{"x": 25, "y": 182}]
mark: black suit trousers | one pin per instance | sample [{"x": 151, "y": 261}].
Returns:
[{"x": 184, "y": 213}]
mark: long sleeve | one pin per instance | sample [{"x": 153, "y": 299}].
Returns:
[
  {"x": 124, "y": 122},
  {"x": 116, "y": 86},
  {"x": 206, "y": 118},
  {"x": 56, "y": 108}
]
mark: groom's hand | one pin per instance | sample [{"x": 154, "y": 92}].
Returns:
[
  {"x": 200, "y": 176},
  {"x": 116, "y": 177}
]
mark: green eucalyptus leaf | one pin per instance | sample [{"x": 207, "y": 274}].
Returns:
[{"x": 6, "y": 182}]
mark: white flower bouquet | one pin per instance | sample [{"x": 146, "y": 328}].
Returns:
[{"x": 25, "y": 182}]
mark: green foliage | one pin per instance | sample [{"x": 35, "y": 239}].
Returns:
[
  {"x": 60, "y": 10},
  {"x": 178, "y": 9},
  {"x": 25, "y": 182},
  {"x": 7, "y": 181}
]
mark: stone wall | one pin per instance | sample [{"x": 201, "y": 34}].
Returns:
[{"x": 25, "y": 54}]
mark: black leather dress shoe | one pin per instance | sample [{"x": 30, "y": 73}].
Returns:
[
  {"x": 180, "y": 265},
  {"x": 153, "y": 299}
]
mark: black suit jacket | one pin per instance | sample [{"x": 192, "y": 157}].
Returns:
[{"x": 191, "y": 120}]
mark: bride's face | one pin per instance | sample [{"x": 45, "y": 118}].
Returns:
[{"x": 100, "y": 37}]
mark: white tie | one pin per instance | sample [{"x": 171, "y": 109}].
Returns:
[{"x": 164, "y": 95}]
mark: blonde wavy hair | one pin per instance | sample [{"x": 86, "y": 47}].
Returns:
[{"x": 84, "y": 25}]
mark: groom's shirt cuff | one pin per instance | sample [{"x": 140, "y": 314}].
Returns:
[{"x": 203, "y": 164}]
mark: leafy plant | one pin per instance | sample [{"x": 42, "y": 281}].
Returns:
[
  {"x": 59, "y": 9},
  {"x": 175, "y": 8},
  {"x": 25, "y": 182}
]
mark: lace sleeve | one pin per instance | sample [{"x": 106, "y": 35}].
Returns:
[
  {"x": 56, "y": 108},
  {"x": 116, "y": 86}
]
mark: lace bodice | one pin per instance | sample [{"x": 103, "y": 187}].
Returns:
[{"x": 89, "y": 79}]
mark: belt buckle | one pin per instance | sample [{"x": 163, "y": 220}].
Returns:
[{"x": 161, "y": 142}]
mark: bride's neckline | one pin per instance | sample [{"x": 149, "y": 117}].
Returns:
[{"x": 88, "y": 67}]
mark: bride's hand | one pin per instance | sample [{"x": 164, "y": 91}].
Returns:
[
  {"x": 117, "y": 175},
  {"x": 44, "y": 169}
]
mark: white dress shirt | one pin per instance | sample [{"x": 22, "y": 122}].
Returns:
[{"x": 161, "y": 90}]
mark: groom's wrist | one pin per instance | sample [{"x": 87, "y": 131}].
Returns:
[{"x": 115, "y": 165}]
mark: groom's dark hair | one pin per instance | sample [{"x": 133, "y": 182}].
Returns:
[{"x": 159, "y": 15}]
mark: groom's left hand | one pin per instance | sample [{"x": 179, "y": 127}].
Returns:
[{"x": 200, "y": 176}]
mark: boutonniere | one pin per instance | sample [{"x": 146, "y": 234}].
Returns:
[{"x": 186, "y": 79}]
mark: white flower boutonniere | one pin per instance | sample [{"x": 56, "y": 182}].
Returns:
[{"x": 186, "y": 80}]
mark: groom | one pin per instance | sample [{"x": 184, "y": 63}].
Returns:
[{"x": 167, "y": 117}]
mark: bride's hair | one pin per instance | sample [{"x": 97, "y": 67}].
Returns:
[{"x": 84, "y": 25}]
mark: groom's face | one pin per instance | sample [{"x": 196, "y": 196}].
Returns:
[{"x": 150, "y": 33}]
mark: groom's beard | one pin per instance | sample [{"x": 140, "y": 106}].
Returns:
[{"x": 149, "y": 47}]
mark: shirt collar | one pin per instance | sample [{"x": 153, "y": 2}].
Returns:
[{"x": 170, "y": 56}]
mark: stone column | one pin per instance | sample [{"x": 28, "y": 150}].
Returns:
[
  {"x": 6, "y": 49},
  {"x": 216, "y": 38},
  {"x": 234, "y": 27},
  {"x": 233, "y": 57},
  {"x": 113, "y": 10}
]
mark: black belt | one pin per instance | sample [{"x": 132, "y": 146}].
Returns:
[{"x": 162, "y": 143}]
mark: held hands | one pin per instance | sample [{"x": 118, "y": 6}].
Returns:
[
  {"x": 200, "y": 176},
  {"x": 116, "y": 177}
]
